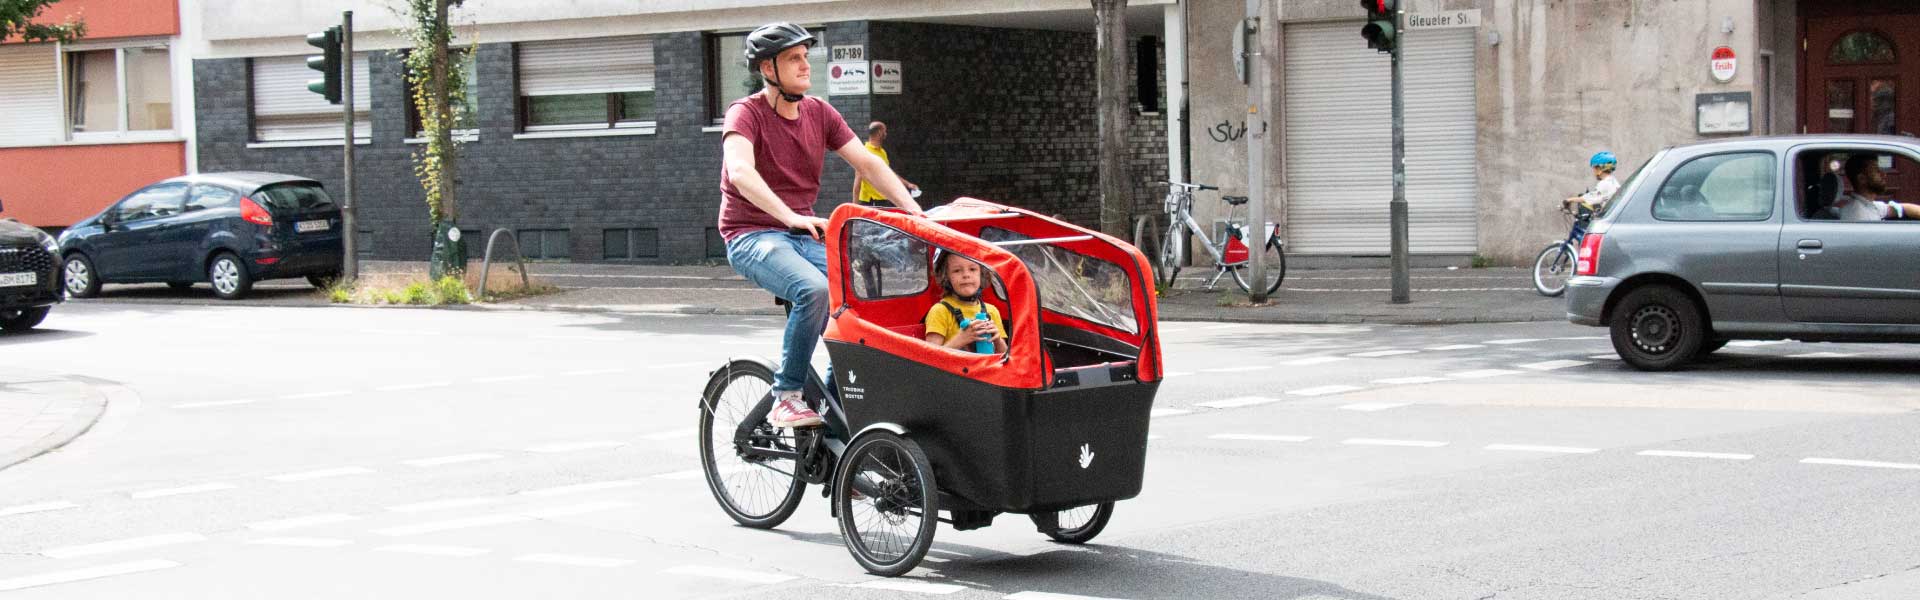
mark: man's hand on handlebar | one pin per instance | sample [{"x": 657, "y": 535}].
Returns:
[{"x": 814, "y": 227}]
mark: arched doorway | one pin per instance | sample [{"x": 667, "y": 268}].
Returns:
[{"x": 1861, "y": 71}]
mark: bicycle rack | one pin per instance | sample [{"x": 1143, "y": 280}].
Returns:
[{"x": 486, "y": 264}]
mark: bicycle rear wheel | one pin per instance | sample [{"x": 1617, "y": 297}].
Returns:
[
  {"x": 1552, "y": 269},
  {"x": 1276, "y": 269},
  {"x": 755, "y": 492},
  {"x": 1076, "y": 525}
]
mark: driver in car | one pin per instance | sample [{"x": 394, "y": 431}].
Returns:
[{"x": 1865, "y": 202}]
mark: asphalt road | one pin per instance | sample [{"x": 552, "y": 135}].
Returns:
[{"x": 395, "y": 453}]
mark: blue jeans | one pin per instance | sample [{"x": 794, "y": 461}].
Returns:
[{"x": 793, "y": 267}]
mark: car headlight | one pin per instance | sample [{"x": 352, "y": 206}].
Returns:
[{"x": 47, "y": 241}]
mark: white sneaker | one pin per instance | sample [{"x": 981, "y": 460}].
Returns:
[{"x": 790, "y": 410}]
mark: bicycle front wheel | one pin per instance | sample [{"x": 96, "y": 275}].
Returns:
[
  {"x": 1276, "y": 270},
  {"x": 1552, "y": 269},
  {"x": 755, "y": 492},
  {"x": 1167, "y": 257}
]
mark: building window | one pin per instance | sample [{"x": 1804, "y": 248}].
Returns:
[
  {"x": 1146, "y": 69},
  {"x": 602, "y": 83},
  {"x": 629, "y": 244},
  {"x": 728, "y": 78},
  {"x": 284, "y": 111},
  {"x": 117, "y": 90},
  {"x": 1861, "y": 47},
  {"x": 544, "y": 244},
  {"x": 466, "y": 115}
]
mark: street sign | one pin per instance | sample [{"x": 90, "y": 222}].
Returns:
[
  {"x": 848, "y": 78},
  {"x": 1444, "y": 20},
  {"x": 886, "y": 77},
  {"x": 1724, "y": 64}
]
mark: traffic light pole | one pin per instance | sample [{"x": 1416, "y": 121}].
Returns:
[
  {"x": 1402, "y": 280},
  {"x": 349, "y": 264}
]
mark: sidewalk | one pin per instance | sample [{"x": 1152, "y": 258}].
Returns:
[{"x": 40, "y": 412}]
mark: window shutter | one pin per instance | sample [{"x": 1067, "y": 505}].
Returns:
[
  {"x": 589, "y": 66},
  {"x": 284, "y": 110},
  {"x": 30, "y": 91}
]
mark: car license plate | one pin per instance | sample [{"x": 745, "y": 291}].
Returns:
[
  {"x": 18, "y": 279},
  {"x": 309, "y": 226}
]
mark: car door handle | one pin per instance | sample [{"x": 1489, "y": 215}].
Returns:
[{"x": 1810, "y": 245}]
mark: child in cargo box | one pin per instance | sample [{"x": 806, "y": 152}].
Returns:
[{"x": 963, "y": 282}]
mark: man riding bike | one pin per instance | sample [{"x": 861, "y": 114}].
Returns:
[{"x": 775, "y": 145}]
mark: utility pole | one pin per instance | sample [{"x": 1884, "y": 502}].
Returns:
[
  {"x": 1110, "y": 44},
  {"x": 1255, "y": 76},
  {"x": 349, "y": 265}
]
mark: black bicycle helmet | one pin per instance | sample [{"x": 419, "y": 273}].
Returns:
[{"x": 767, "y": 42}]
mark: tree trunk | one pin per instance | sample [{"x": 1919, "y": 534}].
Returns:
[
  {"x": 449, "y": 251},
  {"x": 1111, "y": 45}
]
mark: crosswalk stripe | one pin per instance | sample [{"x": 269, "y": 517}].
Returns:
[
  {"x": 139, "y": 543},
  {"x": 70, "y": 576},
  {"x": 1325, "y": 390},
  {"x": 1549, "y": 449},
  {"x": 1238, "y": 402}
]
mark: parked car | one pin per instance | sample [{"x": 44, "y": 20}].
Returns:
[
  {"x": 29, "y": 275},
  {"x": 1734, "y": 239},
  {"x": 227, "y": 229}
]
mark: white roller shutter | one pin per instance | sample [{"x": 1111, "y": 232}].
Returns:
[
  {"x": 30, "y": 95},
  {"x": 1339, "y": 141},
  {"x": 284, "y": 110},
  {"x": 589, "y": 66}
]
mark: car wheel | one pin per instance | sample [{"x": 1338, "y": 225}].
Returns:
[
  {"x": 180, "y": 285},
  {"x": 22, "y": 319},
  {"x": 229, "y": 277},
  {"x": 80, "y": 278},
  {"x": 1657, "y": 328}
]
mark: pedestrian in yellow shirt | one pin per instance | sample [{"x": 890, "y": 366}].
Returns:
[{"x": 863, "y": 192}]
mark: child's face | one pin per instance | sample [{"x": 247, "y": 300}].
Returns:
[
  {"x": 964, "y": 276},
  {"x": 1600, "y": 172}
]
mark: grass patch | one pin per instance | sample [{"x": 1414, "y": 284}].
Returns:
[
  {"x": 412, "y": 288},
  {"x": 1482, "y": 262}
]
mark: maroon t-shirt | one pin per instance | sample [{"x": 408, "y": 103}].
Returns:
[{"x": 788, "y": 154}]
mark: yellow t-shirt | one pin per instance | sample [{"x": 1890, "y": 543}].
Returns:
[
  {"x": 940, "y": 320},
  {"x": 867, "y": 193}
]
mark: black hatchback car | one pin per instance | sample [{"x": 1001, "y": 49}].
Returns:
[
  {"x": 29, "y": 275},
  {"x": 227, "y": 229}
]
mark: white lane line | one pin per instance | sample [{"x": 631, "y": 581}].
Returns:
[
  {"x": 302, "y": 542},
  {"x": 1167, "y": 412},
  {"x": 1172, "y": 330},
  {"x": 574, "y": 561},
  {"x": 507, "y": 378},
  {"x": 679, "y": 365},
  {"x": 1408, "y": 380},
  {"x": 912, "y": 587},
  {"x": 139, "y": 543},
  {"x": 452, "y": 524},
  {"x": 586, "y": 372},
  {"x": 1824, "y": 355},
  {"x": 582, "y": 487},
  {"x": 35, "y": 508},
  {"x": 731, "y": 574},
  {"x": 126, "y": 568},
  {"x": 576, "y": 446},
  {"x": 414, "y": 386},
  {"x": 444, "y": 504},
  {"x": 1372, "y": 406},
  {"x": 1456, "y": 347},
  {"x": 950, "y": 553},
  {"x": 1842, "y": 462},
  {"x": 1238, "y": 402},
  {"x": 1548, "y": 449},
  {"x": 217, "y": 403},
  {"x": 579, "y": 338},
  {"x": 1381, "y": 353},
  {"x": 1482, "y": 374},
  {"x": 1582, "y": 338},
  {"x": 670, "y": 435},
  {"x": 1223, "y": 326},
  {"x": 1173, "y": 374},
  {"x": 1050, "y": 596},
  {"x": 1399, "y": 443},
  {"x": 179, "y": 491},
  {"x": 450, "y": 460},
  {"x": 1686, "y": 454},
  {"x": 1554, "y": 365},
  {"x": 317, "y": 395},
  {"x": 399, "y": 332},
  {"x": 1754, "y": 343},
  {"x": 1258, "y": 437},
  {"x": 299, "y": 522},
  {"x": 1316, "y": 360},
  {"x": 1325, "y": 390},
  {"x": 1238, "y": 369},
  {"x": 577, "y": 509},
  {"x": 1513, "y": 341},
  {"x": 320, "y": 474},
  {"x": 450, "y": 551},
  {"x": 1604, "y": 357}
]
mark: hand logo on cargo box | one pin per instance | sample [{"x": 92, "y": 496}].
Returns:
[
  {"x": 1086, "y": 456},
  {"x": 853, "y": 377}
]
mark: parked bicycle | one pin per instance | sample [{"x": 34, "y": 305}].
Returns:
[
  {"x": 1556, "y": 262},
  {"x": 1230, "y": 254}
]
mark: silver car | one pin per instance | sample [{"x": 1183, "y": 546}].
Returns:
[{"x": 1741, "y": 239}]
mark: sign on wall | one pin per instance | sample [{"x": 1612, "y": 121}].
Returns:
[
  {"x": 846, "y": 53},
  {"x": 1444, "y": 20},
  {"x": 886, "y": 77},
  {"x": 1726, "y": 112},
  {"x": 1724, "y": 64},
  {"x": 847, "y": 78}
]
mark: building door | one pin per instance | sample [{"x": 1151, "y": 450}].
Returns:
[{"x": 1862, "y": 72}]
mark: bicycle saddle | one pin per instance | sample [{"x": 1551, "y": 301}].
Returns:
[{"x": 1235, "y": 200}]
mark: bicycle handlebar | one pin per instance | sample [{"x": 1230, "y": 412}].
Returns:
[{"x": 1190, "y": 186}]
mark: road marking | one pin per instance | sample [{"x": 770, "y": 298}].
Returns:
[
  {"x": 35, "y": 508},
  {"x": 1401, "y": 443},
  {"x": 452, "y": 551},
  {"x": 699, "y": 473},
  {"x": 1050, "y": 596},
  {"x": 1754, "y": 343},
  {"x": 582, "y": 487},
  {"x": 1605, "y": 357},
  {"x": 912, "y": 587},
  {"x": 1325, "y": 390},
  {"x": 1482, "y": 374},
  {"x": 1549, "y": 449},
  {"x": 1238, "y": 402},
  {"x": 1824, "y": 355},
  {"x": 1456, "y": 347},
  {"x": 1686, "y": 454},
  {"x": 316, "y": 395},
  {"x": 670, "y": 435},
  {"x": 1173, "y": 374},
  {"x": 127, "y": 568},
  {"x": 302, "y": 542},
  {"x": 1859, "y": 463},
  {"x": 1513, "y": 341},
  {"x": 1582, "y": 338},
  {"x": 139, "y": 543},
  {"x": 1167, "y": 330},
  {"x": 507, "y": 378},
  {"x": 449, "y": 460},
  {"x": 579, "y": 338},
  {"x": 399, "y": 332},
  {"x": 1408, "y": 380},
  {"x": 444, "y": 504},
  {"x": 1223, "y": 326},
  {"x": 1258, "y": 437},
  {"x": 1381, "y": 353},
  {"x": 320, "y": 474},
  {"x": 1317, "y": 360},
  {"x": 679, "y": 365},
  {"x": 299, "y": 522},
  {"x": 192, "y": 489},
  {"x": 586, "y": 372},
  {"x": 1238, "y": 369},
  {"x": 1554, "y": 365},
  {"x": 1372, "y": 406},
  {"x": 414, "y": 386},
  {"x": 733, "y": 574},
  {"x": 1166, "y": 412},
  {"x": 452, "y": 524},
  {"x": 576, "y": 446},
  {"x": 191, "y": 405},
  {"x": 574, "y": 561},
  {"x": 577, "y": 509}
]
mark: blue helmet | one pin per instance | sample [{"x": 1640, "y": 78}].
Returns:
[{"x": 1603, "y": 159}]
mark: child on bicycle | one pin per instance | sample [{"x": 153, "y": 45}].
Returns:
[
  {"x": 1596, "y": 199},
  {"x": 963, "y": 282}
]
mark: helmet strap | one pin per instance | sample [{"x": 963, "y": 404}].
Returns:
[{"x": 779, "y": 87}]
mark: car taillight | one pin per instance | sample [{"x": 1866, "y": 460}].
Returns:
[
  {"x": 1588, "y": 261},
  {"x": 252, "y": 212}
]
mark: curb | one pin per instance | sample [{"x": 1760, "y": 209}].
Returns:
[{"x": 58, "y": 425}]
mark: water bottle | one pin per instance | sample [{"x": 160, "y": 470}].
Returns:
[{"x": 979, "y": 346}]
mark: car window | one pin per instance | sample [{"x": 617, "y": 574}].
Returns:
[
  {"x": 212, "y": 196},
  {"x": 1825, "y": 182},
  {"x": 886, "y": 262},
  {"x": 1721, "y": 187},
  {"x": 157, "y": 201},
  {"x": 1628, "y": 186},
  {"x": 301, "y": 196}
]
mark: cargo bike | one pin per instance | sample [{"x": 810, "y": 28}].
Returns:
[{"x": 1054, "y": 428}]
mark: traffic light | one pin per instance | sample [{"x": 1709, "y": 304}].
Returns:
[
  {"x": 327, "y": 63},
  {"x": 1380, "y": 31}
]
